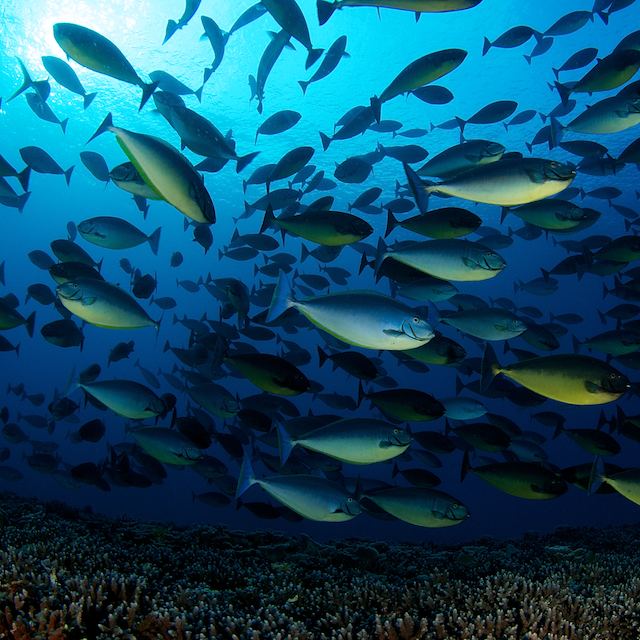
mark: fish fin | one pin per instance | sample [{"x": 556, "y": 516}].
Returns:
[
  {"x": 172, "y": 27},
  {"x": 326, "y": 141},
  {"x": 537, "y": 177},
  {"x": 592, "y": 387},
  {"x": 418, "y": 188},
  {"x": 489, "y": 368},
  {"x": 312, "y": 57},
  {"x": 466, "y": 465},
  {"x": 29, "y": 324},
  {"x": 376, "y": 105},
  {"x": 106, "y": 124},
  {"x": 381, "y": 253},
  {"x": 26, "y": 81},
  {"x": 597, "y": 476},
  {"x": 325, "y": 10},
  {"x": 282, "y": 299},
  {"x": 23, "y": 177},
  {"x": 147, "y": 91},
  {"x": 154, "y": 240},
  {"x": 392, "y": 223},
  {"x": 247, "y": 477},
  {"x": 564, "y": 92},
  {"x": 285, "y": 443},
  {"x": 88, "y": 99},
  {"x": 486, "y": 46},
  {"x": 67, "y": 174},
  {"x": 303, "y": 85},
  {"x": 22, "y": 200},
  {"x": 243, "y": 161},
  {"x": 434, "y": 315},
  {"x": 361, "y": 393}
]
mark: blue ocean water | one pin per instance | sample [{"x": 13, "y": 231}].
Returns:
[{"x": 380, "y": 46}]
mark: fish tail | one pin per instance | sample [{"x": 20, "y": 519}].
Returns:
[
  {"x": 434, "y": 315},
  {"x": 419, "y": 188},
  {"x": 326, "y": 140},
  {"x": 106, "y": 123},
  {"x": 304, "y": 253},
  {"x": 381, "y": 254},
  {"x": 576, "y": 344},
  {"x": 325, "y": 10},
  {"x": 88, "y": 99},
  {"x": 564, "y": 92},
  {"x": 489, "y": 368},
  {"x": 597, "y": 476},
  {"x": 172, "y": 27},
  {"x": 556, "y": 131},
  {"x": 269, "y": 219},
  {"x": 322, "y": 356},
  {"x": 361, "y": 394},
  {"x": 26, "y": 81},
  {"x": 376, "y": 105},
  {"x": 198, "y": 93},
  {"x": 22, "y": 200},
  {"x": 486, "y": 46},
  {"x": 282, "y": 299},
  {"x": 67, "y": 174},
  {"x": 29, "y": 324},
  {"x": 247, "y": 477},
  {"x": 23, "y": 177},
  {"x": 312, "y": 57},
  {"x": 460, "y": 386},
  {"x": 154, "y": 240},
  {"x": 392, "y": 223},
  {"x": 243, "y": 161},
  {"x": 147, "y": 91},
  {"x": 63, "y": 124},
  {"x": 285, "y": 443},
  {"x": 466, "y": 465}
]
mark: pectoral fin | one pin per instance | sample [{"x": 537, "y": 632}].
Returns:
[{"x": 537, "y": 177}]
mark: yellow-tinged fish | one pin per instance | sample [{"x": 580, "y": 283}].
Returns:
[
  {"x": 326, "y": 9},
  {"x": 508, "y": 183},
  {"x": 451, "y": 259},
  {"x": 365, "y": 319},
  {"x": 126, "y": 398},
  {"x": 626, "y": 483},
  {"x": 166, "y": 445},
  {"x": 569, "y": 378},
  {"x": 420, "y": 506},
  {"x": 166, "y": 171},
  {"x": 353, "y": 440},
  {"x": 312, "y": 497},
  {"x": 520, "y": 479},
  {"x": 95, "y": 52},
  {"x": 104, "y": 305},
  {"x": 420, "y": 72}
]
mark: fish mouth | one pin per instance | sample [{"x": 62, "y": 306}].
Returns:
[{"x": 557, "y": 171}]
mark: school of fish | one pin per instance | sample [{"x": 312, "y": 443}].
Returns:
[{"x": 253, "y": 330}]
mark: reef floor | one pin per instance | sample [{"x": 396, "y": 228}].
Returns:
[{"x": 71, "y": 573}]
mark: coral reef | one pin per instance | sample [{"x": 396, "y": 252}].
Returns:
[{"x": 72, "y": 574}]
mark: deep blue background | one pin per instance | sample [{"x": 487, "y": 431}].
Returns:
[{"x": 379, "y": 49}]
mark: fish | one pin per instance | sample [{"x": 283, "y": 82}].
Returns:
[
  {"x": 166, "y": 171},
  {"x": 420, "y": 506},
  {"x": 103, "y": 304},
  {"x": 63, "y": 333},
  {"x": 572, "y": 379},
  {"x": 44, "y": 111},
  {"x": 11, "y": 318},
  {"x": 166, "y": 445},
  {"x": 191, "y": 7},
  {"x": 278, "y": 42},
  {"x": 487, "y": 323},
  {"x": 610, "y": 72},
  {"x": 279, "y": 122},
  {"x": 420, "y": 72},
  {"x": 350, "y": 317},
  {"x": 331, "y": 228},
  {"x": 507, "y": 183},
  {"x": 449, "y": 259},
  {"x": 93, "y": 51},
  {"x": 311, "y": 497},
  {"x": 326, "y": 8},
  {"x": 520, "y": 479},
  {"x": 359, "y": 441},
  {"x": 41, "y": 162},
  {"x": 169, "y": 84},
  {"x": 511, "y": 38},
  {"x": 331, "y": 59},
  {"x": 116, "y": 233},
  {"x": 411, "y": 405},
  {"x": 288, "y": 15}
]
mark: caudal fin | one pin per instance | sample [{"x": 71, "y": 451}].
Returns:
[
  {"x": 147, "y": 91},
  {"x": 154, "y": 240},
  {"x": 488, "y": 369},
  {"x": 243, "y": 161},
  {"x": 88, "y": 99},
  {"x": 325, "y": 10},
  {"x": 104, "y": 126},
  {"x": 312, "y": 57},
  {"x": 247, "y": 477},
  {"x": 282, "y": 299}
]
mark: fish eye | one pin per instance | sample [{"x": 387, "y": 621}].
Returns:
[{"x": 416, "y": 320}]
